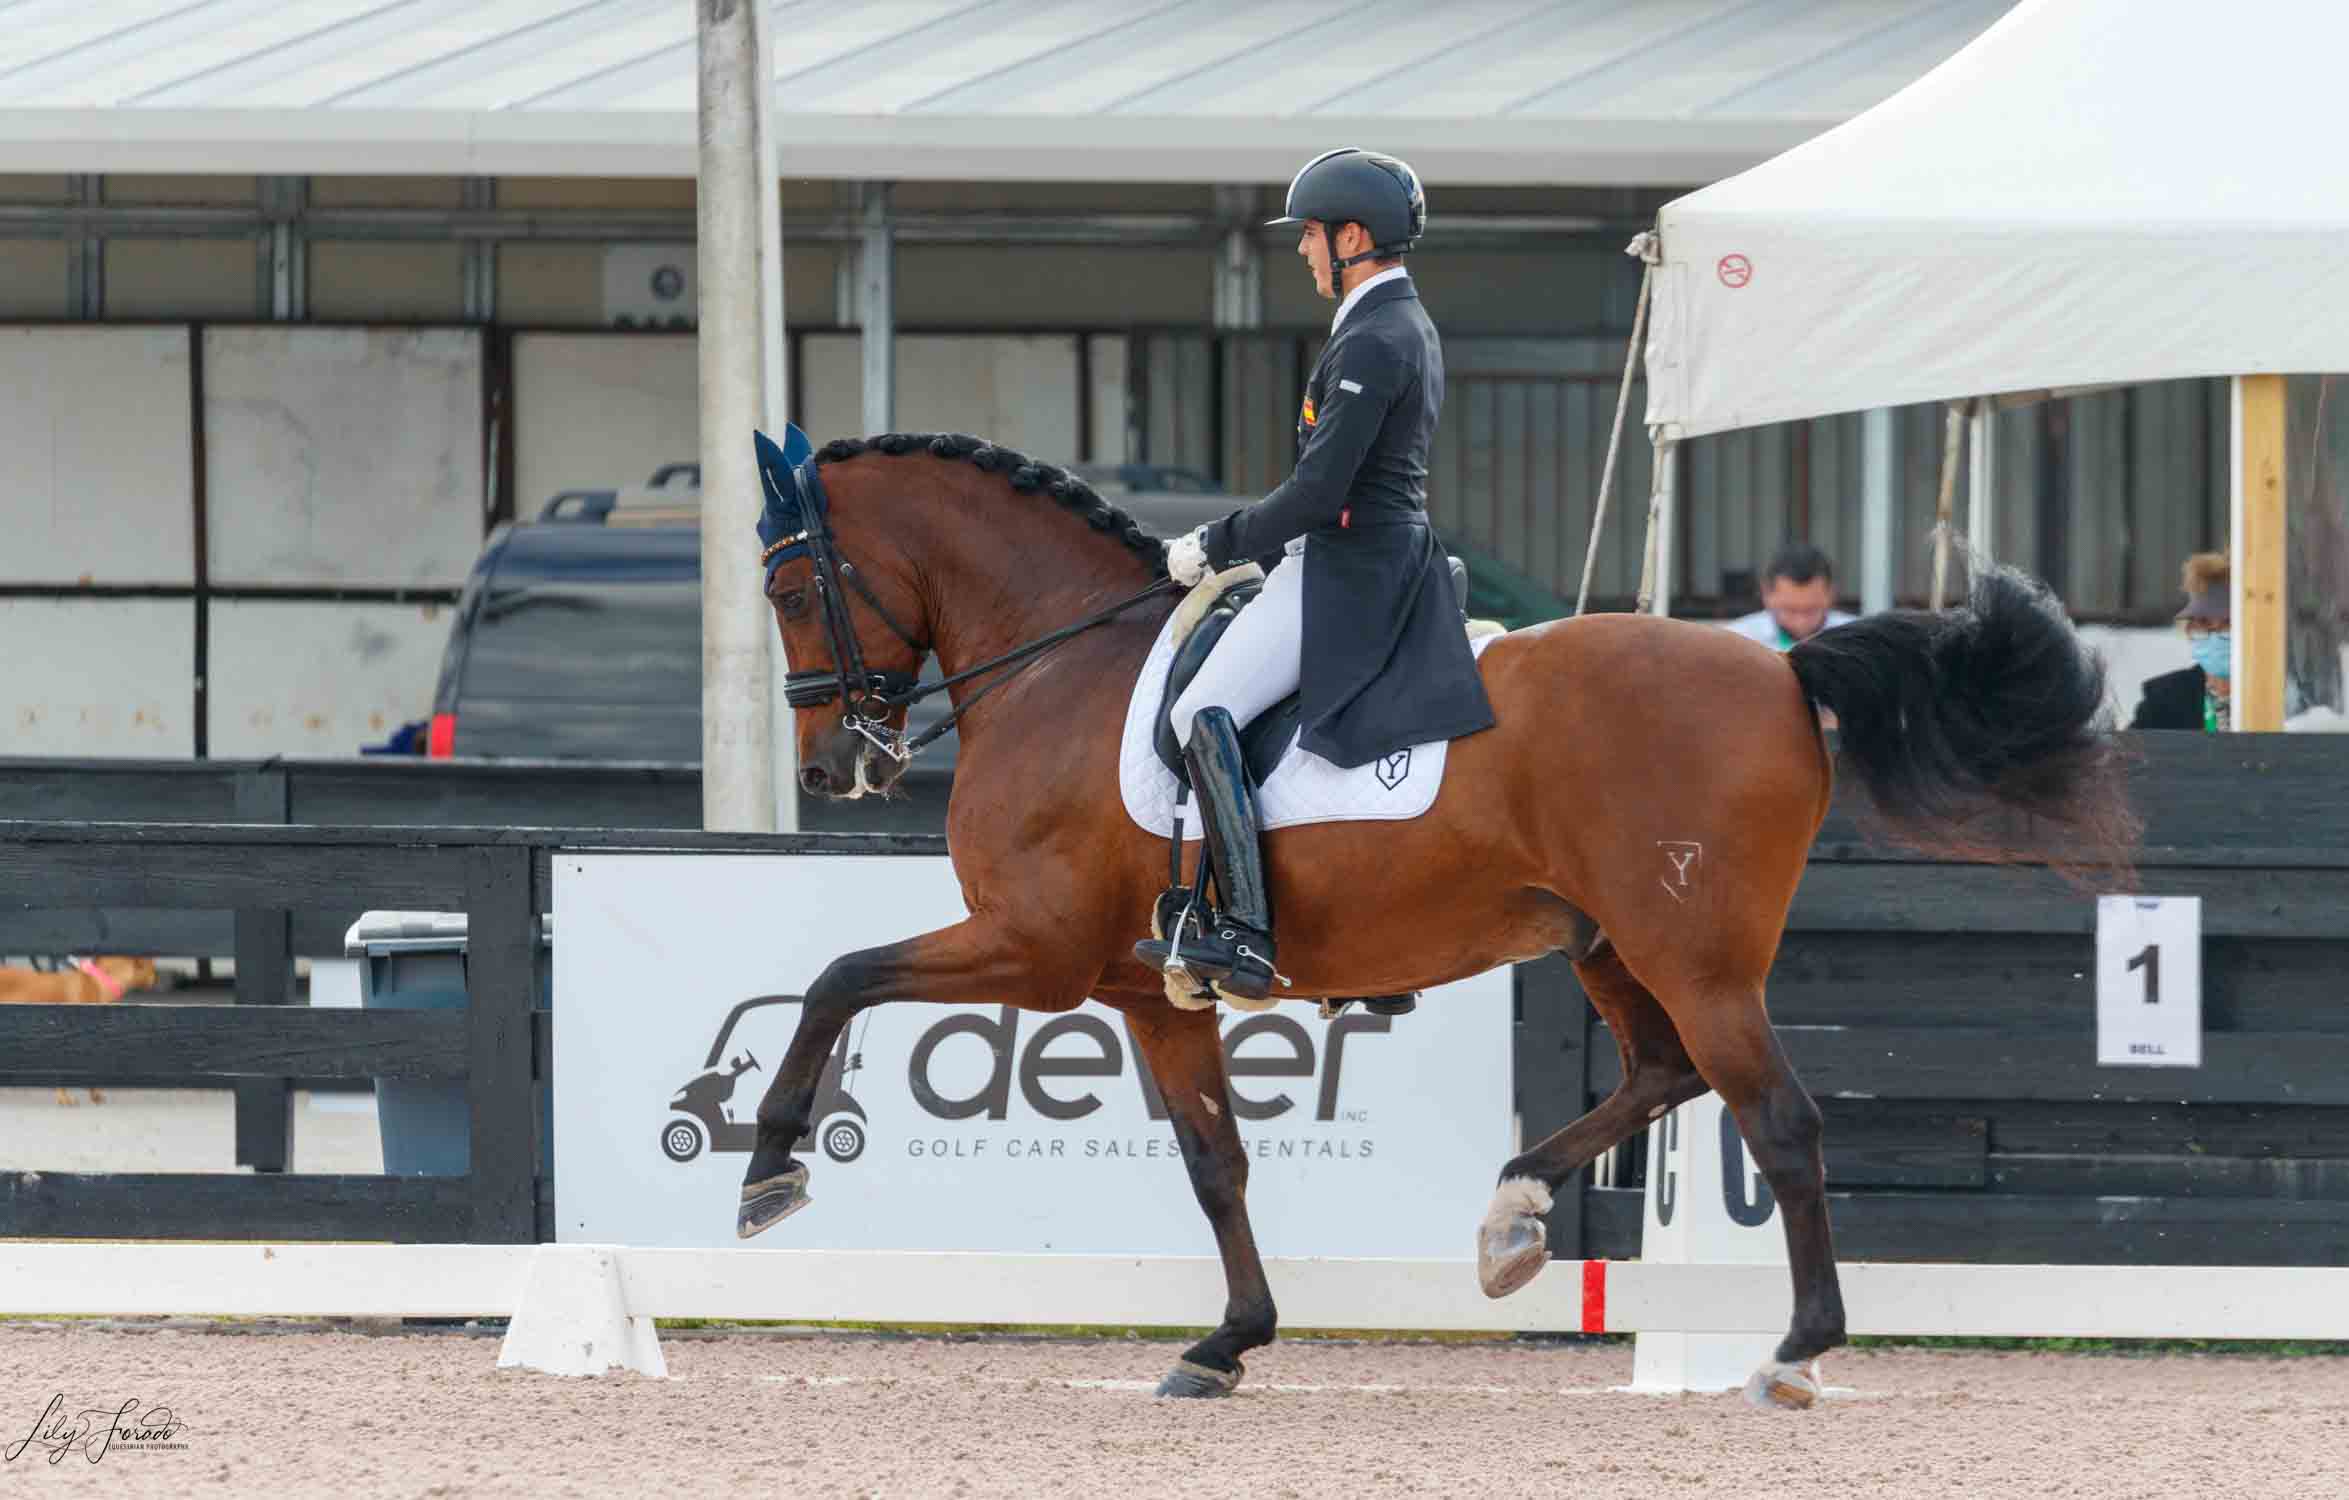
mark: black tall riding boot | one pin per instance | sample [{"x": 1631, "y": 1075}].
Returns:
[{"x": 1234, "y": 950}]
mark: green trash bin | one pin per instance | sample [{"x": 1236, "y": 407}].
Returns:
[{"x": 415, "y": 960}]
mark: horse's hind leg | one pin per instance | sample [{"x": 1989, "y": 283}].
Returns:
[
  {"x": 1512, "y": 1245},
  {"x": 1184, "y": 1052},
  {"x": 1739, "y": 1056}
]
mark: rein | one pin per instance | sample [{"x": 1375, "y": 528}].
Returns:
[{"x": 869, "y": 696}]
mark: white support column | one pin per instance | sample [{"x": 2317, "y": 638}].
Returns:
[
  {"x": 1982, "y": 479},
  {"x": 737, "y": 766},
  {"x": 480, "y": 255},
  {"x": 285, "y": 251},
  {"x": 1667, "y": 502},
  {"x": 774, "y": 348},
  {"x": 85, "y": 253},
  {"x": 1239, "y": 264},
  {"x": 1879, "y": 463},
  {"x": 876, "y": 309}
]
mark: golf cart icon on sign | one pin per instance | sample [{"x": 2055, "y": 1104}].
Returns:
[{"x": 703, "y": 1111}]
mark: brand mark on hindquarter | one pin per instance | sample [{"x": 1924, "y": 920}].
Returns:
[{"x": 1683, "y": 855}]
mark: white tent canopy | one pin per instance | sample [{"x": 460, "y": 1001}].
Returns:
[{"x": 2092, "y": 191}]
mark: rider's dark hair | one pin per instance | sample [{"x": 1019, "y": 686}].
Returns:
[
  {"x": 1027, "y": 475},
  {"x": 1799, "y": 562}
]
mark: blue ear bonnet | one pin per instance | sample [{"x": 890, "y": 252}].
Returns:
[{"x": 794, "y": 495}]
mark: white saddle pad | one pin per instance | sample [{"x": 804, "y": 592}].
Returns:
[{"x": 1303, "y": 788}]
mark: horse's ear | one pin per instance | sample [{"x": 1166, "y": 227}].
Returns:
[
  {"x": 777, "y": 462},
  {"x": 779, "y": 514}
]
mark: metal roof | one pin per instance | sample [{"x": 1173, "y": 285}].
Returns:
[{"x": 1654, "y": 92}]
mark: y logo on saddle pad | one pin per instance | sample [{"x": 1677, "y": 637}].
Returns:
[
  {"x": 1395, "y": 769},
  {"x": 1683, "y": 855}
]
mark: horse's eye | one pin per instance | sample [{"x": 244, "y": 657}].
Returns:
[{"x": 795, "y": 603}]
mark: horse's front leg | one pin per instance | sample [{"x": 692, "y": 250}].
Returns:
[
  {"x": 970, "y": 963},
  {"x": 1184, "y": 1051}
]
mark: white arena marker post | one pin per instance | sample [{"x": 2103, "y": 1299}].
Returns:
[
  {"x": 574, "y": 1318},
  {"x": 1706, "y": 1205}
]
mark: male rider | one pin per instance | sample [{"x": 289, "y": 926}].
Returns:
[{"x": 1357, "y": 612}]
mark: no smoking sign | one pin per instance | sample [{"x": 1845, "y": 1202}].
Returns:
[{"x": 1735, "y": 271}]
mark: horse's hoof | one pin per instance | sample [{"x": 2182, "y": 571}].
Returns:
[
  {"x": 1198, "y": 1383},
  {"x": 1510, "y": 1255},
  {"x": 1778, "y": 1386},
  {"x": 1513, "y": 1244},
  {"x": 768, "y": 1203}
]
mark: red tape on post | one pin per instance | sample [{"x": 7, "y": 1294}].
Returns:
[{"x": 1594, "y": 1296}]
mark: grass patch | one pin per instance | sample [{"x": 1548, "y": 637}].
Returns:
[{"x": 2241, "y": 1348}]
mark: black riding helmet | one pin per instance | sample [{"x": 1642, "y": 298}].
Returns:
[{"x": 1351, "y": 185}]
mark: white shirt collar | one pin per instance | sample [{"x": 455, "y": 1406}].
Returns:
[{"x": 1354, "y": 296}]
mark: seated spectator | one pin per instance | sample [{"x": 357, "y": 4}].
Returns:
[
  {"x": 1798, "y": 598},
  {"x": 2197, "y": 697}
]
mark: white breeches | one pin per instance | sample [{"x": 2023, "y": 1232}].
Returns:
[{"x": 1256, "y": 664}]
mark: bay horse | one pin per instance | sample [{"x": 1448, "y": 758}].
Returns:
[{"x": 1645, "y": 804}]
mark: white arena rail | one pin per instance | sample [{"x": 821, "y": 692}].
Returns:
[{"x": 581, "y": 1309}]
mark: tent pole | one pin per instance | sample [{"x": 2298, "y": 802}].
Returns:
[
  {"x": 1655, "y": 579},
  {"x": 1953, "y": 433},
  {"x": 2256, "y": 536},
  {"x": 1877, "y": 468},
  {"x": 1982, "y": 481}
]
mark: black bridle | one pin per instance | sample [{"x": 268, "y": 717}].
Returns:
[{"x": 868, "y": 696}]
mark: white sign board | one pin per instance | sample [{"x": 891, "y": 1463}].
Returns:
[
  {"x": 2149, "y": 981},
  {"x": 677, "y": 987},
  {"x": 1707, "y": 1204}
]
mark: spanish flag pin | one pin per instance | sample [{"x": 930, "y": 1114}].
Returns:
[{"x": 1306, "y": 416}]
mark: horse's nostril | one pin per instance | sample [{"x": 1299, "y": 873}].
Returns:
[{"x": 813, "y": 779}]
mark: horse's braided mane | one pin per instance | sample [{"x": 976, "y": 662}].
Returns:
[{"x": 1027, "y": 476}]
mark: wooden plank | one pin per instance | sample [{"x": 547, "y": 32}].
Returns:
[
  {"x": 2245, "y": 902},
  {"x": 110, "y": 1043},
  {"x": 2017, "y": 1229},
  {"x": 139, "y": 932},
  {"x": 265, "y": 976},
  {"x": 2093, "y": 1175},
  {"x": 233, "y": 1205},
  {"x": 224, "y": 873},
  {"x": 502, "y": 979},
  {"x": 1980, "y": 1063},
  {"x": 1951, "y": 1151},
  {"x": 502, "y": 794},
  {"x": 2261, "y": 552},
  {"x": 166, "y": 836},
  {"x": 144, "y": 791},
  {"x": 2014, "y": 1229},
  {"x": 2040, "y": 981},
  {"x": 2249, "y": 1130}
]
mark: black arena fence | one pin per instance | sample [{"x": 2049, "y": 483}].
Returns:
[{"x": 1943, "y": 1014}]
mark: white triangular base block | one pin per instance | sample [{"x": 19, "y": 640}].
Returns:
[
  {"x": 574, "y": 1318},
  {"x": 1671, "y": 1363}
]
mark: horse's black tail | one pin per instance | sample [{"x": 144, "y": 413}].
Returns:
[{"x": 1945, "y": 717}]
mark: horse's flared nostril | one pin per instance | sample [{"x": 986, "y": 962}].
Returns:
[{"x": 814, "y": 779}]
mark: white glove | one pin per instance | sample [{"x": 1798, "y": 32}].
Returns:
[{"x": 1186, "y": 557}]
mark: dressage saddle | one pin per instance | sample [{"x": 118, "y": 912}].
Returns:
[{"x": 1269, "y": 735}]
